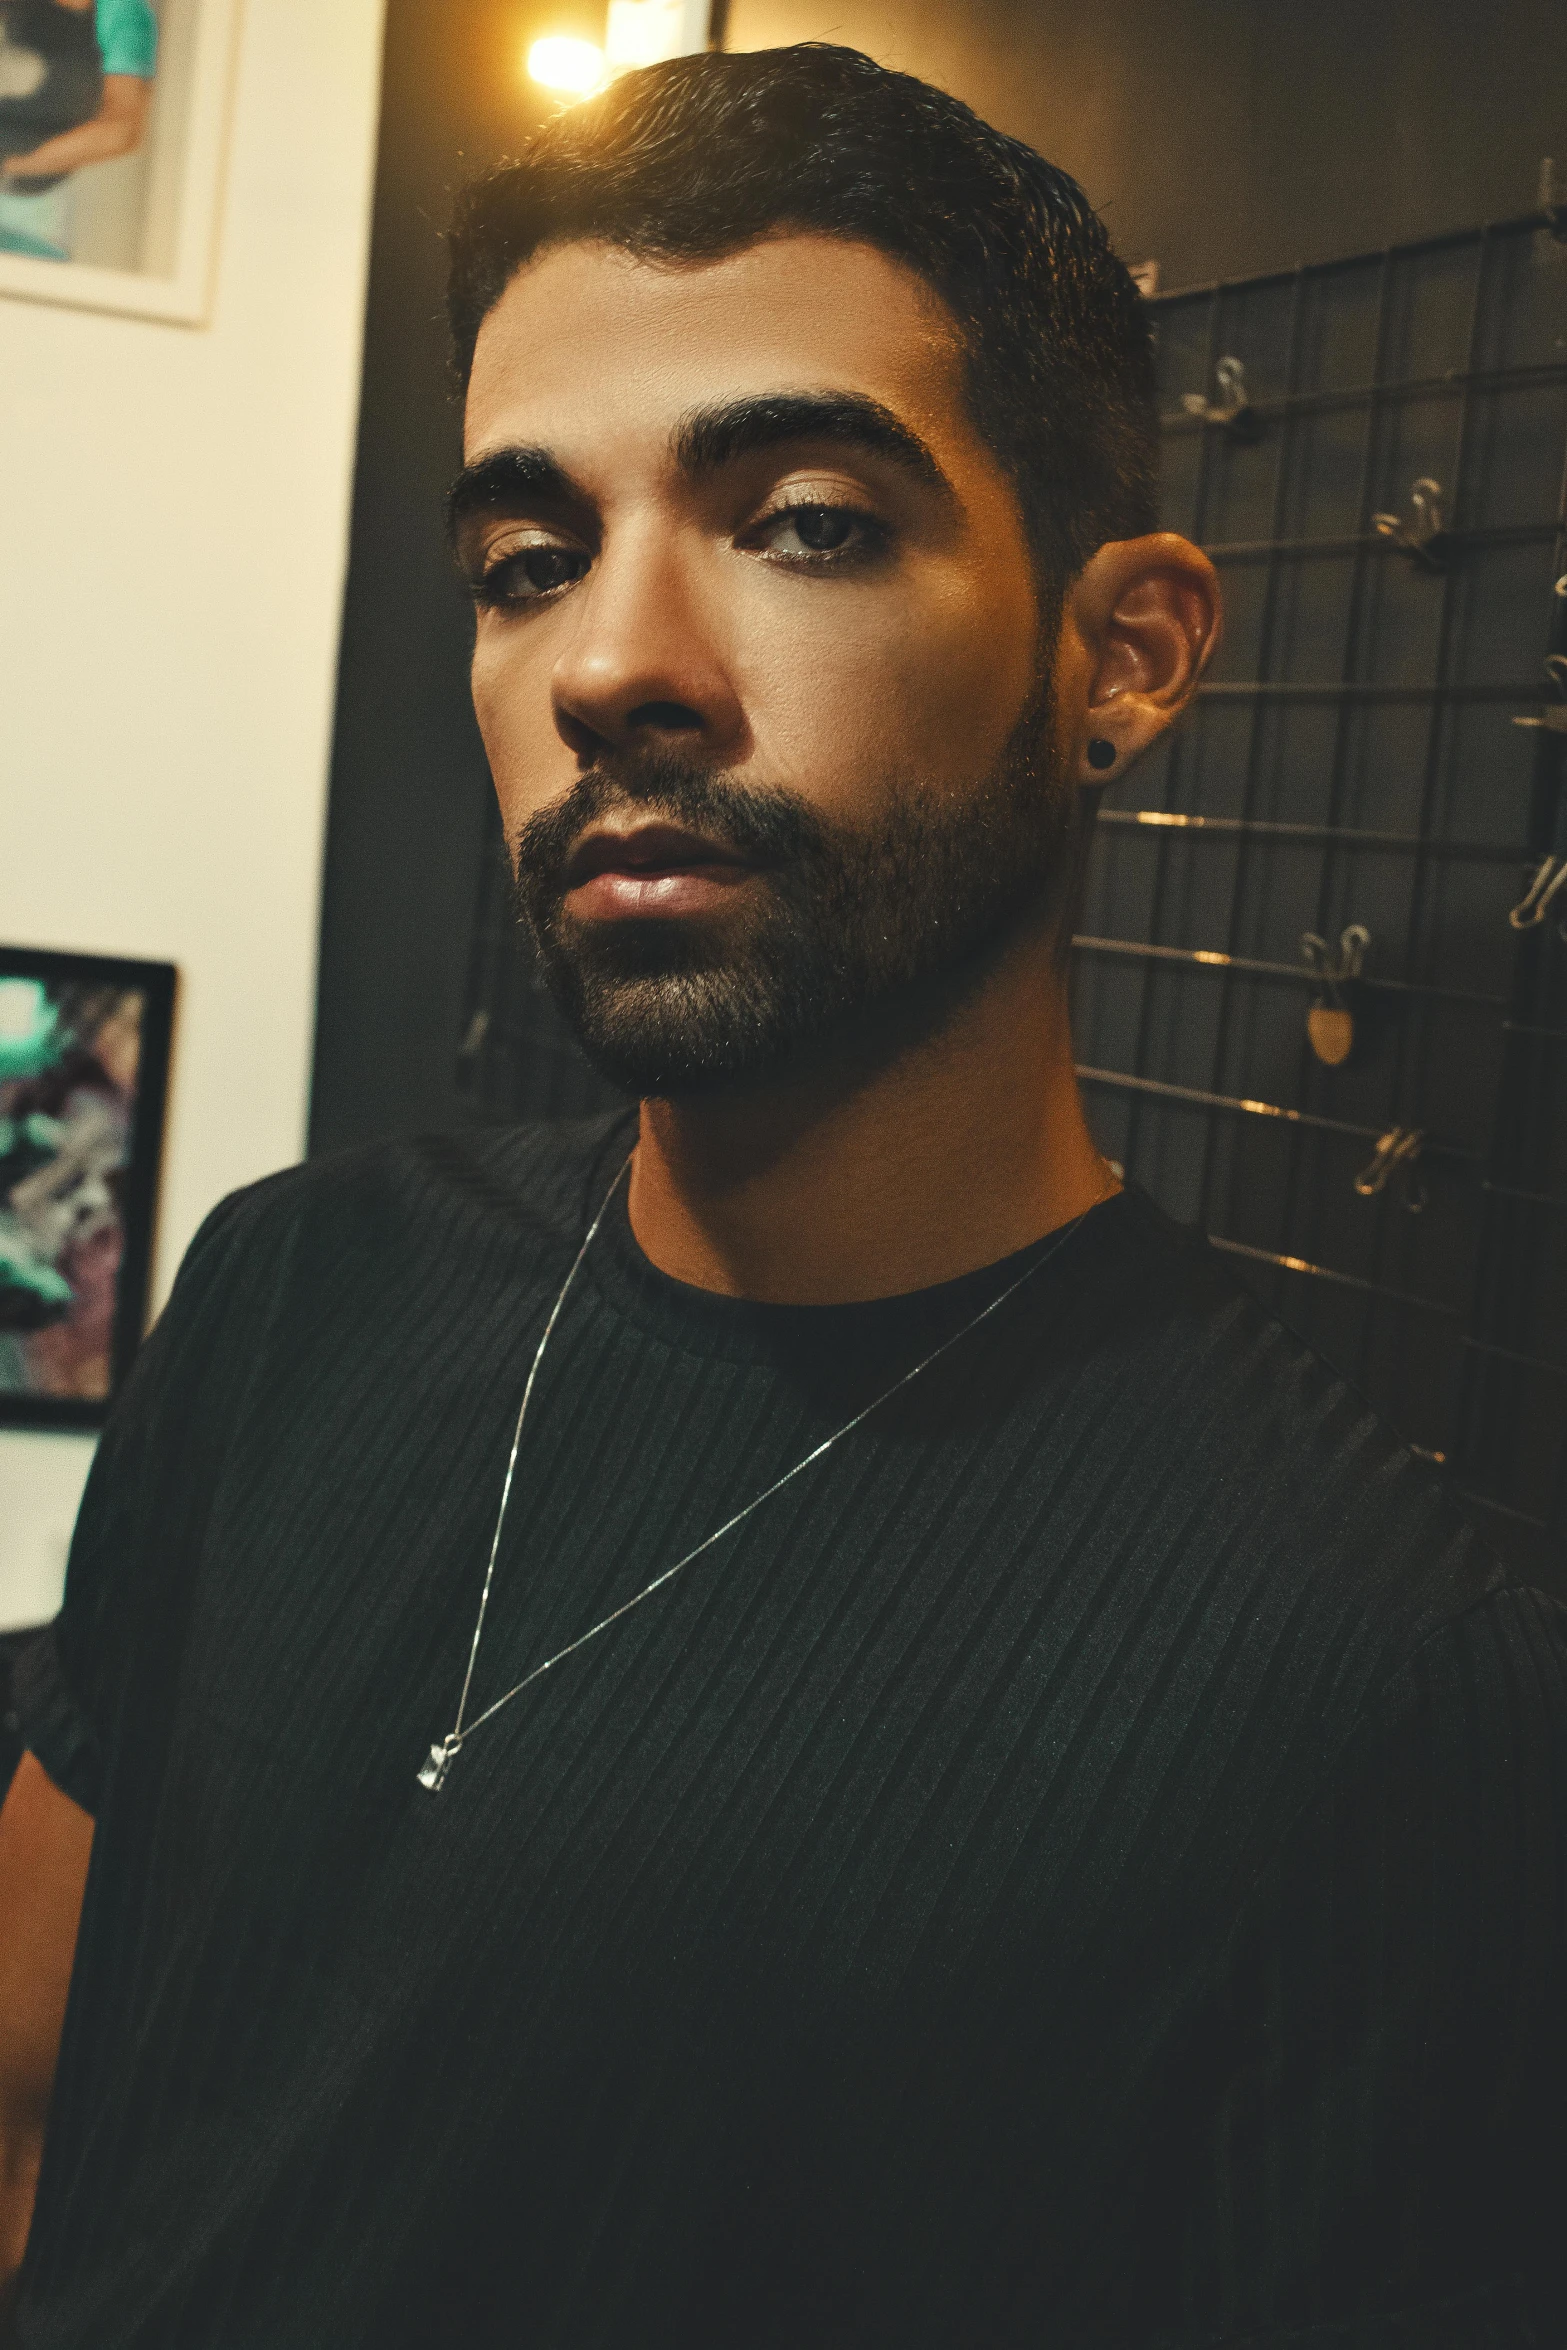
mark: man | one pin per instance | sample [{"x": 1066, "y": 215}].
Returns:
[{"x": 824, "y": 1737}]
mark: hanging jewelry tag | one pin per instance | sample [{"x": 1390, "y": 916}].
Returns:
[
  {"x": 441, "y": 1759},
  {"x": 1330, "y": 1022},
  {"x": 1332, "y": 1032}
]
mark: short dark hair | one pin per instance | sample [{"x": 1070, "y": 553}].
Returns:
[{"x": 703, "y": 155}]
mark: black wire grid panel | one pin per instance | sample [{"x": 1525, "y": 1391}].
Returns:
[{"x": 1353, "y": 759}]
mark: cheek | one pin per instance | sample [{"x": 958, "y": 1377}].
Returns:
[
  {"x": 852, "y": 688},
  {"x": 511, "y": 700}
]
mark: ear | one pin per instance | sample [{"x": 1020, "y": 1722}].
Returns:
[{"x": 1141, "y": 623}]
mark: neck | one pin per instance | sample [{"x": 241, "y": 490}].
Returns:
[{"x": 833, "y": 1185}]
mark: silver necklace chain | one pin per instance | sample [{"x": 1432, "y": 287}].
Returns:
[{"x": 443, "y": 1754}]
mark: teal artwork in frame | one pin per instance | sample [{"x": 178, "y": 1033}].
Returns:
[
  {"x": 84, "y": 1057},
  {"x": 113, "y": 128}
]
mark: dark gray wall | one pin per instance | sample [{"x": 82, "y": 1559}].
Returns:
[
  {"x": 1227, "y": 137},
  {"x": 408, "y": 790},
  {"x": 1223, "y": 137}
]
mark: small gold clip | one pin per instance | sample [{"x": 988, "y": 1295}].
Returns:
[{"x": 1399, "y": 1147}]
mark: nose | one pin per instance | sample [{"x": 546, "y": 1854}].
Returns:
[{"x": 646, "y": 658}]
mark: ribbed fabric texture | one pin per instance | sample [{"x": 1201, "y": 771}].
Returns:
[{"x": 1083, "y": 1866}]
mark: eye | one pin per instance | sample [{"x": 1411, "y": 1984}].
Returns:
[
  {"x": 805, "y": 532},
  {"x": 523, "y": 574}
]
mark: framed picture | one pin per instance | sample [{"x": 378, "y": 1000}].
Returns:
[
  {"x": 113, "y": 121},
  {"x": 84, "y": 1060}
]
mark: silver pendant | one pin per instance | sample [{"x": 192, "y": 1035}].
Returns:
[{"x": 441, "y": 1759}]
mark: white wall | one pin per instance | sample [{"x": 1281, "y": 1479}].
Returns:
[{"x": 173, "y": 529}]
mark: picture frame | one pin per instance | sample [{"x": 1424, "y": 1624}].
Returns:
[
  {"x": 136, "y": 233},
  {"x": 84, "y": 1063}
]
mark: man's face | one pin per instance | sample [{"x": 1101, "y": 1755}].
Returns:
[{"x": 758, "y": 662}]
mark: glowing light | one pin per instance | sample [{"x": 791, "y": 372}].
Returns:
[{"x": 575, "y": 68}]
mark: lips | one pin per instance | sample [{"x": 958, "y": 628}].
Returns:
[
  {"x": 648, "y": 849},
  {"x": 651, "y": 870}
]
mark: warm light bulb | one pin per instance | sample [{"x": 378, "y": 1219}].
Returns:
[{"x": 576, "y": 68}]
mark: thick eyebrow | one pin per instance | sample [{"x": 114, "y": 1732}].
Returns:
[
  {"x": 505, "y": 479},
  {"x": 712, "y": 437},
  {"x": 703, "y": 442}
]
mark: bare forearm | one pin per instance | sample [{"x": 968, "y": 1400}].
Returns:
[
  {"x": 116, "y": 129},
  {"x": 90, "y": 142},
  {"x": 21, "y": 2151},
  {"x": 45, "y": 1845}
]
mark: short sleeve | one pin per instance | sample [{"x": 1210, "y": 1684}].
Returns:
[
  {"x": 128, "y": 38},
  {"x": 68, "y": 1681},
  {"x": 1365, "y": 2147}
]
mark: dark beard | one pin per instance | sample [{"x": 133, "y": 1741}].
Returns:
[{"x": 865, "y": 941}]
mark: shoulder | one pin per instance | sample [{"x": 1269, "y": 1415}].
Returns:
[
  {"x": 1303, "y": 1610},
  {"x": 357, "y": 1257},
  {"x": 315, "y": 1244},
  {"x": 1268, "y": 1485},
  {"x": 1477, "y": 1709},
  {"x": 433, "y": 1191}
]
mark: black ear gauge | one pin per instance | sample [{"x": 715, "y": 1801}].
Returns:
[{"x": 1101, "y": 753}]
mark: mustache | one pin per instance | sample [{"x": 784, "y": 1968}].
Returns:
[{"x": 761, "y": 823}]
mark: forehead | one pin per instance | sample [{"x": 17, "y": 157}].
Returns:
[{"x": 588, "y": 342}]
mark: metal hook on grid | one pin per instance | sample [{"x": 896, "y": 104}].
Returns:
[
  {"x": 1397, "y": 1151},
  {"x": 1330, "y": 1023},
  {"x": 1554, "y": 715},
  {"x": 1532, "y": 909},
  {"x": 1232, "y": 410},
  {"x": 1424, "y": 536}
]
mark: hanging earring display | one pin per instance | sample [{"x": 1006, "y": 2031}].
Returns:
[
  {"x": 1553, "y": 718},
  {"x": 1423, "y": 534},
  {"x": 1330, "y": 1023},
  {"x": 1232, "y": 411}
]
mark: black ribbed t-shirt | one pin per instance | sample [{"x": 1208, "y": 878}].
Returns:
[{"x": 1084, "y": 1865}]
